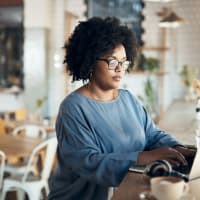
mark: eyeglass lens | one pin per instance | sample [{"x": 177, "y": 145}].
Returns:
[{"x": 113, "y": 64}]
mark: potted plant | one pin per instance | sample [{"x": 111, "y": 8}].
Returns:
[
  {"x": 151, "y": 64},
  {"x": 188, "y": 75},
  {"x": 151, "y": 98},
  {"x": 38, "y": 111}
]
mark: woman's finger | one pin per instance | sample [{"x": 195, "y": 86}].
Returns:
[
  {"x": 173, "y": 163},
  {"x": 177, "y": 156}
]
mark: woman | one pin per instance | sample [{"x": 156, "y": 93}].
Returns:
[{"x": 103, "y": 130}]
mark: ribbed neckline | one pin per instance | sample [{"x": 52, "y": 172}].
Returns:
[{"x": 100, "y": 102}]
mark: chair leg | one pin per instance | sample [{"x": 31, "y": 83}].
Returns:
[
  {"x": 110, "y": 193},
  {"x": 34, "y": 194},
  {"x": 46, "y": 189},
  {"x": 20, "y": 194},
  {"x": 3, "y": 195}
]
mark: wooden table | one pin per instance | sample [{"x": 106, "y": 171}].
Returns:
[
  {"x": 132, "y": 185},
  {"x": 16, "y": 146}
]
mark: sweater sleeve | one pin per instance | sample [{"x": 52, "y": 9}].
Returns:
[{"x": 79, "y": 151}]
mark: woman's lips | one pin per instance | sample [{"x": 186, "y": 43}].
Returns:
[{"x": 117, "y": 78}]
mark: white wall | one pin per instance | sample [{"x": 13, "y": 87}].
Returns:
[
  {"x": 134, "y": 83},
  {"x": 44, "y": 38},
  {"x": 34, "y": 66},
  {"x": 56, "y": 78},
  {"x": 183, "y": 43},
  {"x": 37, "y": 13},
  {"x": 37, "y": 22},
  {"x": 9, "y": 102},
  {"x": 188, "y": 36},
  {"x": 58, "y": 83}
]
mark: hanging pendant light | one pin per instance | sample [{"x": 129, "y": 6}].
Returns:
[{"x": 171, "y": 21}]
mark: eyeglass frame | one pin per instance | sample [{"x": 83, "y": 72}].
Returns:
[{"x": 119, "y": 62}]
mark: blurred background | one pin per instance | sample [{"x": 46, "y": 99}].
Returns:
[
  {"x": 33, "y": 80},
  {"x": 32, "y": 34}
]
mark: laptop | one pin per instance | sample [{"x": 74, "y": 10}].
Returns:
[
  {"x": 195, "y": 169},
  {"x": 190, "y": 172}
]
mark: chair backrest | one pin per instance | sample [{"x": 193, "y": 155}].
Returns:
[
  {"x": 50, "y": 146},
  {"x": 2, "y": 166},
  {"x": 31, "y": 130}
]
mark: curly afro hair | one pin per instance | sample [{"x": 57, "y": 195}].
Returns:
[{"x": 92, "y": 39}]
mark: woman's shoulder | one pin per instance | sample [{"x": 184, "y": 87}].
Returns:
[
  {"x": 126, "y": 93},
  {"x": 71, "y": 102},
  {"x": 129, "y": 96}
]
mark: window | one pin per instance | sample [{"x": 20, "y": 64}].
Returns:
[
  {"x": 11, "y": 46},
  {"x": 128, "y": 11}
]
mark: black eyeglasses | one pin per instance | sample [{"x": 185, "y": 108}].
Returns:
[{"x": 113, "y": 63}]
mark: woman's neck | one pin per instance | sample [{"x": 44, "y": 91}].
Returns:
[{"x": 100, "y": 94}]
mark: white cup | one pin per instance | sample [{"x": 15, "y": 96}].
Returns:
[
  {"x": 168, "y": 188},
  {"x": 194, "y": 186},
  {"x": 197, "y": 137},
  {"x": 188, "y": 196}
]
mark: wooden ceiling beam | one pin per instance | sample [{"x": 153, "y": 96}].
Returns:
[{"x": 11, "y": 3}]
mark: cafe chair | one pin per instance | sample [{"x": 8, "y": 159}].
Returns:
[
  {"x": 2, "y": 167},
  {"x": 30, "y": 130},
  {"x": 33, "y": 185}
]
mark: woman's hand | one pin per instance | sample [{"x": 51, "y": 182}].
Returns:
[
  {"x": 188, "y": 153},
  {"x": 173, "y": 156},
  {"x": 185, "y": 151}
]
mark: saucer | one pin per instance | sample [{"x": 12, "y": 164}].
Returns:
[{"x": 146, "y": 195}]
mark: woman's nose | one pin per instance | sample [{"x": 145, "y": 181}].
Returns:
[{"x": 119, "y": 67}]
